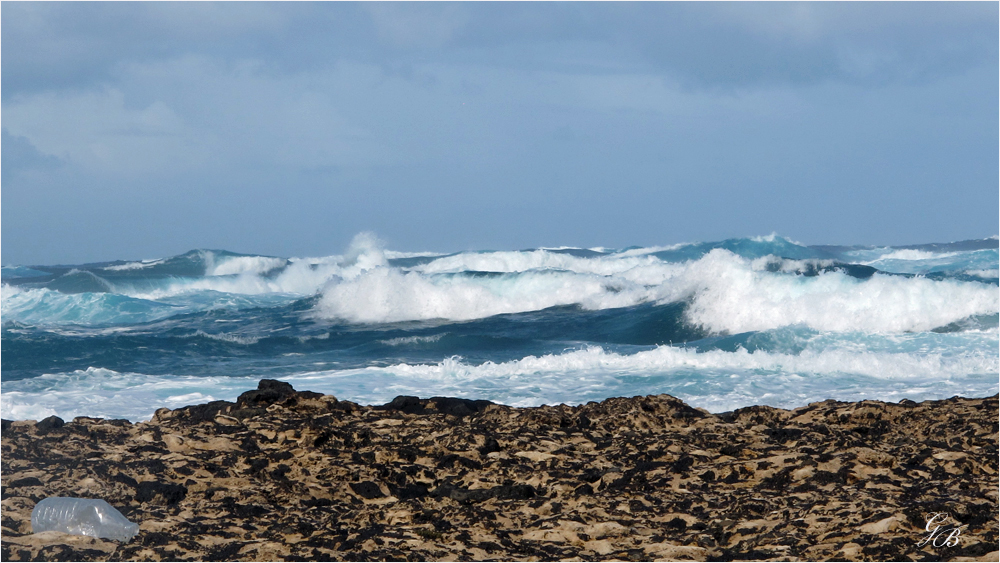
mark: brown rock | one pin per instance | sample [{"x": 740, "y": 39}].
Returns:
[{"x": 284, "y": 475}]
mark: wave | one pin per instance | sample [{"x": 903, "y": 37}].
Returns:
[
  {"x": 731, "y": 286},
  {"x": 241, "y": 339},
  {"x": 726, "y": 294},
  {"x": 46, "y": 306},
  {"x": 133, "y": 265},
  {"x": 670, "y": 359},
  {"x": 50, "y": 308},
  {"x": 411, "y": 340},
  {"x": 991, "y": 274},
  {"x": 10, "y": 272},
  {"x": 235, "y": 265},
  {"x": 730, "y": 295},
  {"x": 717, "y": 380},
  {"x": 106, "y": 393}
]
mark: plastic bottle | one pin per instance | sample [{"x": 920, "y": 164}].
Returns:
[{"x": 82, "y": 516}]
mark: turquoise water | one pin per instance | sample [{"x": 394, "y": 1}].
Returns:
[{"x": 760, "y": 320}]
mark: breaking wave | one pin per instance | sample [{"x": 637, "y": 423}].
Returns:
[{"x": 757, "y": 320}]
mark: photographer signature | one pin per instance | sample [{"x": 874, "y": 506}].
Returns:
[{"x": 937, "y": 537}]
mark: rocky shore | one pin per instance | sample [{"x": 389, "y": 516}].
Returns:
[{"x": 286, "y": 475}]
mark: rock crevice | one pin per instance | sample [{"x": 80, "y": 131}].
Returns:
[{"x": 288, "y": 475}]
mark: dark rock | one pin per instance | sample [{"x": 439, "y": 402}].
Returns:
[
  {"x": 683, "y": 464},
  {"x": 268, "y": 392},
  {"x": 316, "y": 502},
  {"x": 367, "y": 489},
  {"x": 240, "y": 510},
  {"x": 777, "y": 481},
  {"x": 502, "y": 492},
  {"x": 445, "y": 405},
  {"x": 168, "y": 493},
  {"x": 452, "y": 459},
  {"x": 50, "y": 423},
  {"x": 459, "y": 407},
  {"x": 155, "y": 538},
  {"x": 489, "y": 447},
  {"x": 730, "y": 449},
  {"x": 677, "y": 525},
  {"x": 406, "y": 404},
  {"x": 203, "y": 413},
  {"x": 257, "y": 465},
  {"x": 280, "y": 472},
  {"x": 255, "y": 506},
  {"x": 782, "y": 435}
]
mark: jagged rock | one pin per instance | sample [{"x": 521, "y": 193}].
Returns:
[{"x": 288, "y": 475}]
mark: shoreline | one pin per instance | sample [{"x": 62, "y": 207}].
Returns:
[{"x": 283, "y": 474}]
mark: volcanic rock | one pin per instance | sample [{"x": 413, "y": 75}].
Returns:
[{"x": 287, "y": 475}]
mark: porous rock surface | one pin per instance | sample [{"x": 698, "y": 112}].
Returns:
[{"x": 286, "y": 475}]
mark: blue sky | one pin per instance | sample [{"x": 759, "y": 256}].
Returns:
[{"x": 141, "y": 130}]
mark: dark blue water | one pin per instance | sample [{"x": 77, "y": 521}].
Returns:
[{"x": 724, "y": 324}]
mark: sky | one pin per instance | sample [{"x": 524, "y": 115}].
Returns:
[{"x": 144, "y": 130}]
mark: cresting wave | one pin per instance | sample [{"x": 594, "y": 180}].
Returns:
[
  {"x": 760, "y": 320},
  {"x": 725, "y": 292}
]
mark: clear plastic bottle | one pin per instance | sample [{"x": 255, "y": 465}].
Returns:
[{"x": 82, "y": 516}]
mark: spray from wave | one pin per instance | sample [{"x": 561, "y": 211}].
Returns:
[{"x": 758, "y": 320}]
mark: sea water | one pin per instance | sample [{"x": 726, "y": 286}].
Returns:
[{"x": 721, "y": 325}]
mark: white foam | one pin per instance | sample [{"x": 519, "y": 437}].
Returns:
[
  {"x": 662, "y": 359},
  {"x": 774, "y": 237},
  {"x": 245, "y": 264},
  {"x": 716, "y": 380},
  {"x": 231, "y": 338},
  {"x": 914, "y": 254},
  {"x": 301, "y": 277},
  {"x": 365, "y": 252},
  {"x": 307, "y": 338},
  {"x": 134, "y": 265},
  {"x": 389, "y": 295},
  {"x": 985, "y": 274},
  {"x": 392, "y": 254},
  {"x": 523, "y": 261},
  {"x": 789, "y": 265},
  {"x": 652, "y": 249},
  {"x": 727, "y": 293},
  {"x": 407, "y": 340},
  {"x": 105, "y": 393},
  {"x": 730, "y": 296}
]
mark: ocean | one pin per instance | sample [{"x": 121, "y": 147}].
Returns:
[{"x": 720, "y": 325}]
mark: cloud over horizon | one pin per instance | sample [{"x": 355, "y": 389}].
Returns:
[{"x": 287, "y": 128}]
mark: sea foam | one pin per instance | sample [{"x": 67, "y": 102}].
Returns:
[
  {"x": 727, "y": 293},
  {"x": 717, "y": 380}
]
